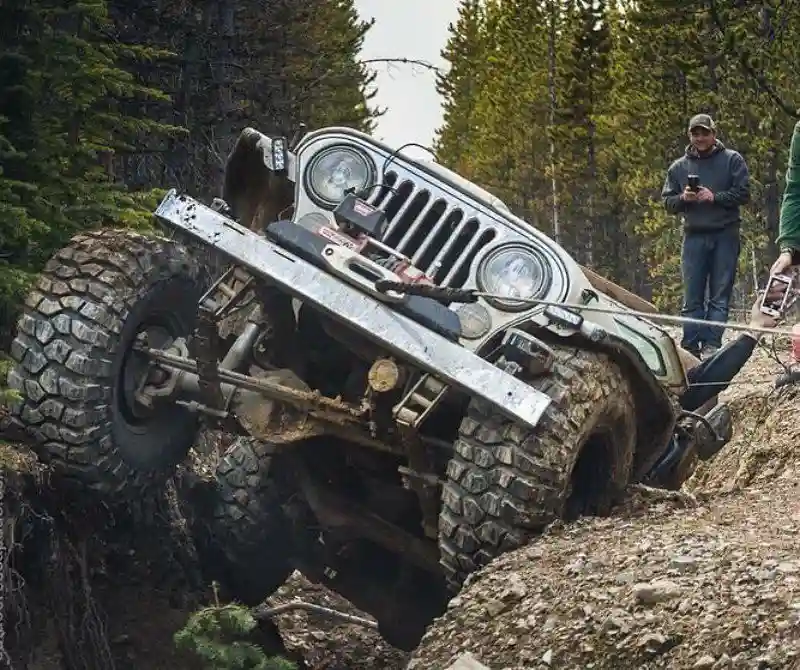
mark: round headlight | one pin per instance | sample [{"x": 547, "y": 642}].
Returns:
[
  {"x": 514, "y": 271},
  {"x": 333, "y": 171}
]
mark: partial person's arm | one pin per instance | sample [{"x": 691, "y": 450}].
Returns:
[
  {"x": 714, "y": 374},
  {"x": 671, "y": 194},
  {"x": 789, "y": 230},
  {"x": 739, "y": 192}
]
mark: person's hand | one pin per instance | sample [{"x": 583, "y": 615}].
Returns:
[
  {"x": 705, "y": 195},
  {"x": 783, "y": 263},
  {"x": 689, "y": 195}
]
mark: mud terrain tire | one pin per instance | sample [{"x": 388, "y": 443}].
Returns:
[
  {"x": 248, "y": 525},
  {"x": 72, "y": 348},
  {"x": 505, "y": 482}
]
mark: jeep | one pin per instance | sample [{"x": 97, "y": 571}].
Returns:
[{"x": 416, "y": 374}]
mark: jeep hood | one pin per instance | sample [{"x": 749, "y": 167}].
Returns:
[{"x": 464, "y": 184}]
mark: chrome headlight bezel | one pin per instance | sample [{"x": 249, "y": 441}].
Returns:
[
  {"x": 313, "y": 163},
  {"x": 534, "y": 255}
]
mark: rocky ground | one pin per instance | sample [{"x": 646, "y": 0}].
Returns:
[
  {"x": 766, "y": 441},
  {"x": 325, "y": 642},
  {"x": 708, "y": 578}
]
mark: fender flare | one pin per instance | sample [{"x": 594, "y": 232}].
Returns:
[
  {"x": 255, "y": 194},
  {"x": 657, "y": 410}
]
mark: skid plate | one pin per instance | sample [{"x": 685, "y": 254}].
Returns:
[{"x": 377, "y": 321}]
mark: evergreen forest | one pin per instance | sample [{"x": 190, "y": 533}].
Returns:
[
  {"x": 105, "y": 104},
  {"x": 570, "y": 111}
]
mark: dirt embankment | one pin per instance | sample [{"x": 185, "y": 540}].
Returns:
[
  {"x": 87, "y": 588},
  {"x": 708, "y": 578},
  {"x": 84, "y": 587}
]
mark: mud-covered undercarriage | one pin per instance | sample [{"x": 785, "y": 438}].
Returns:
[{"x": 293, "y": 378}]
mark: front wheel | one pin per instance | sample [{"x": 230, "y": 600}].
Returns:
[
  {"x": 506, "y": 481},
  {"x": 76, "y": 371}
]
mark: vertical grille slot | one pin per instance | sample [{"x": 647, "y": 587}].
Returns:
[
  {"x": 402, "y": 222},
  {"x": 433, "y": 232},
  {"x": 424, "y": 228},
  {"x": 458, "y": 274},
  {"x": 381, "y": 192},
  {"x": 426, "y": 254}
]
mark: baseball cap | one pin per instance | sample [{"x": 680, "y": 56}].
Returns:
[{"x": 702, "y": 121}]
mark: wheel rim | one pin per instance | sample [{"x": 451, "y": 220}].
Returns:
[{"x": 160, "y": 332}]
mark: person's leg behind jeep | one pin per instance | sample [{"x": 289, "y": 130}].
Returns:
[
  {"x": 724, "y": 261},
  {"x": 695, "y": 267}
]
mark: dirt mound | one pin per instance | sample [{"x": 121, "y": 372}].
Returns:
[
  {"x": 325, "y": 642},
  {"x": 712, "y": 585},
  {"x": 766, "y": 430},
  {"x": 708, "y": 578},
  {"x": 88, "y": 588}
]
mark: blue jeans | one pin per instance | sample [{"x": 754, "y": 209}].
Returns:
[{"x": 708, "y": 260}]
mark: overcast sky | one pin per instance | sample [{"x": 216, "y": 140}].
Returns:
[{"x": 407, "y": 29}]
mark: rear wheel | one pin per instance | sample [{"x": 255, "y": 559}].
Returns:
[
  {"x": 506, "y": 481},
  {"x": 76, "y": 370},
  {"x": 247, "y": 525}
]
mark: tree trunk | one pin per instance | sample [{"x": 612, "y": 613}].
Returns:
[{"x": 553, "y": 102}]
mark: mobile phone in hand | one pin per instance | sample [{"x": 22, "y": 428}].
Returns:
[{"x": 775, "y": 307}]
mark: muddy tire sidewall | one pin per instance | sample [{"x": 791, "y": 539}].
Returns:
[
  {"x": 74, "y": 337},
  {"x": 506, "y": 482},
  {"x": 248, "y": 528}
]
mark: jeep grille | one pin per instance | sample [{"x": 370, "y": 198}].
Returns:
[{"x": 429, "y": 226}]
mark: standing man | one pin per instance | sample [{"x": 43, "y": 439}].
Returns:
[
  {"x": 711, "y": 224},
  {"x": 789, "y": 233}
]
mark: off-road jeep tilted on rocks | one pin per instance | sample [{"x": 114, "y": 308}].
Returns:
[{"x": 414, "y": 398}]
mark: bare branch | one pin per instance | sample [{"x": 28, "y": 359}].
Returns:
[
  {"x": 269, "y": 612},
  {"x": 404, "y": 61},
  {"x": 214, "y": 147}
]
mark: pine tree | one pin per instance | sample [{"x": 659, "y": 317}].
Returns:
[
  {"x": 586, "y": 83},
  {"x": 682, "y": 67},
  {"x": 217, "y": 635},
  {"x": 332, "y": 87},
  {"x": 244, "y": 63},
  {"x": 60, "y": 87},
  {"x": 614, "y": 95},
  {"x": 465, "y": 50}
]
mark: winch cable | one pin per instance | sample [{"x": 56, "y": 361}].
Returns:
[{"x": 447, "y": 294}]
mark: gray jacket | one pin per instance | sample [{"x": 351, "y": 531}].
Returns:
[{"x": 724, "y": 172}]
